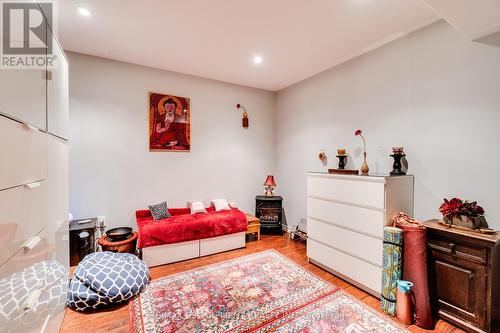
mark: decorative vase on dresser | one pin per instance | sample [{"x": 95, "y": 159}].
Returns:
[
  {"x": 465, "y": 277},
  {"x": 346, "y": 216},
  {"x": 34, "y": 256}
]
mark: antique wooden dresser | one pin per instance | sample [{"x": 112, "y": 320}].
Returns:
[{"x": 464, "y": 277}]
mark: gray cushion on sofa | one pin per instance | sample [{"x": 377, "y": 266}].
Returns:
[{"x": 159, "y": 211}]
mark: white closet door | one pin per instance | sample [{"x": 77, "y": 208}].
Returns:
[
  {"x": 58, "y": 194},
  {"x": 57, "y": 222},
  {"x": 23, "y": 214},
  {"x": 24, "y": 154},
  {"x": 35, "y": 287},
  {"x": 57, "y": 95},
  {"x": 23, "y": 92}
]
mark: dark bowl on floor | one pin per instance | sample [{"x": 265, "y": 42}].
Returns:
[{"x": 117, "y": 234}]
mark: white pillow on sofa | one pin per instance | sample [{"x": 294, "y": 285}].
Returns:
[
  {"x": 220, "y": 204},
  {"x": 197, "y": 207}
]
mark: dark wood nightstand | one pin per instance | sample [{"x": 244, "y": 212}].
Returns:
[{"x": 465, "y": 277}]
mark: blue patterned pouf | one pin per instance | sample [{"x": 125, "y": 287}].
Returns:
[{"x": 104, "y": 278}]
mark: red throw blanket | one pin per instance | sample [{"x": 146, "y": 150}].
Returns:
[{"x": 183, "y": 226}]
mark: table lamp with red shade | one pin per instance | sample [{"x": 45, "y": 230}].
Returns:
[{"x": 270, "y": 184}]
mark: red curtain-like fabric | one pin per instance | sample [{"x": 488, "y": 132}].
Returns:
[{"x": 415, "y": 268}]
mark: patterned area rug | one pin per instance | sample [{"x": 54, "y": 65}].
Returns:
[
  {"x": 335, "y": 313},
  {"x": 262, "y": 292}
]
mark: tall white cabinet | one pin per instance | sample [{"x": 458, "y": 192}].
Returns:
[
  {"x": 345, "y": 220},
  {"x": 34, "y": 242}
]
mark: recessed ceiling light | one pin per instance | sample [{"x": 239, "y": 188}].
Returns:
[
  {"x": 257, "y": 59},
  {"x": 83, "y": 11}
]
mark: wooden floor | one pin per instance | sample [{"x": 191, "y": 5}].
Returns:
[{"x": 116, "y": 319}]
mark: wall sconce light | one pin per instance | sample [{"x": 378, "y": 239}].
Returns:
[{"x": 244, "y": 120}]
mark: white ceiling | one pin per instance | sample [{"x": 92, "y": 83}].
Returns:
[{"x": 217, "y": 39}]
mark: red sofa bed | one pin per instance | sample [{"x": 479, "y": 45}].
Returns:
[{"x": 184, "y": 229}]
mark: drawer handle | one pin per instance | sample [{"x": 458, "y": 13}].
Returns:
[
  {"x": 31, "y": 300},
  {"x": 452, "y": 247},
  {"x": 32, "y": 243},
  {"x": 32, "y": 185}
]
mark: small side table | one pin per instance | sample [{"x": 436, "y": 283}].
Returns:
[
  {"x": 253, "y": 225},
  {"x": 124, "y": 246},
  {"x": 82, "y": 235}
]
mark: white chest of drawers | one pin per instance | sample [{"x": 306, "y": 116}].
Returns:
[{"x": 345, "y": 220}]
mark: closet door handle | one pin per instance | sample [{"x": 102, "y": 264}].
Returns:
[
  {"x": 32, "y": 185},
  {"x": 30, "y": 127},
  {"x": 32, "y": 243}
]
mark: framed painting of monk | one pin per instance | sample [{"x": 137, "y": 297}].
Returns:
[{"x": 169, "y": 123}]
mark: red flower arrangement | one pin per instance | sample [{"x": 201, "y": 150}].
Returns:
[
  {"x": 456, "y": 208},
  {"x": 360, "y": 133},
  {"x": 464, "y": 213}
]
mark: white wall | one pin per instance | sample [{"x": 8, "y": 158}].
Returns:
[
  {"x": 433, "y": 92},
  {"x": 112, "y": 172}
]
